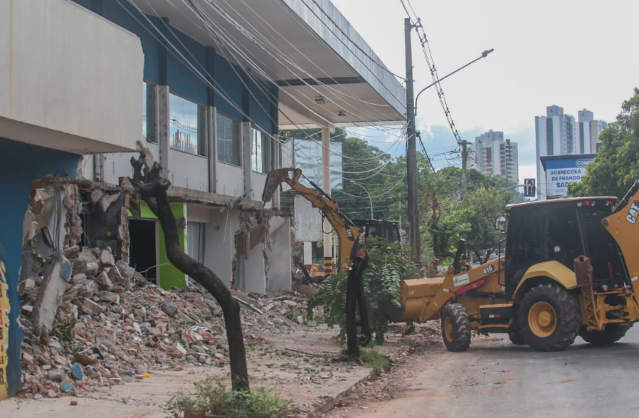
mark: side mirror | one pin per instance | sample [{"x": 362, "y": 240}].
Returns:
[{"x": 500, "y": 223}]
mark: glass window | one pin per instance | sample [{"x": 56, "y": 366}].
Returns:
[
  {"x": 148, "y": 112},
  {"x": 185, "y": 130},
  {"x": 228, "y": 140},
  {"x": 259, "y": 152}
]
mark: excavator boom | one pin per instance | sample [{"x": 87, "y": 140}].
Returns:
[{"x": 347, "y": 231}]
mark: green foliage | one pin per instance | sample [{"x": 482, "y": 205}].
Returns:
[
  {"x": 212, "y": 397},
  {"x": 389, "y": 264},
  {"x": 379, "y": 363},
  {"x": 615, "y": 168}
]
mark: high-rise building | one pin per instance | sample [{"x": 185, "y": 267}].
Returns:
[
  {"x": 587, "y": 131},
  {"x": 491, "y": 154},
  {"x": 558, "y": 134}
]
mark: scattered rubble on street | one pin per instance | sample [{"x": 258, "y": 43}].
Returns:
[{"x": 113, "y": 327}]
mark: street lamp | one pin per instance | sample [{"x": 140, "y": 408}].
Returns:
[
  {"x": 369, "y": 195},
  {"x": 483, "y": 55}
]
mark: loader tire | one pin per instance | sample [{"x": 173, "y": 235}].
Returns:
[
  {"x": 455, "y": 327},
  {"x": 611, "y": 334},
  {"x": 516, "y": 337},
  {"x": 548, "y": 318}
]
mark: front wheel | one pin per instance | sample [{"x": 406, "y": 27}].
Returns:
[
  {"x": 455, "y": 327},
  {"x": 611, "y": 334},
  {"x": 548, "y": 318}
]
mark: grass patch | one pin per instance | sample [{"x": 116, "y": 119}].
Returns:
[
  {"x": 213, "y": 397},
  {"x": 378, "y": 362}
]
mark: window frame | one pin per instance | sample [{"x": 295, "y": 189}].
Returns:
[
  {"x": 201, "y": 147},
  {"x": 265, "y": 150},
  {"x": 236, "y": 140}
]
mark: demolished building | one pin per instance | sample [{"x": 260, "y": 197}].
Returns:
[{"x": 207, "y": 85}]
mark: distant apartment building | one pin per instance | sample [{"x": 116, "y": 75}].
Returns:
[
  {"x": 587, "y": 132},
  {"x": 559, "y": 134},
  {"x": 491, "y": 154}
]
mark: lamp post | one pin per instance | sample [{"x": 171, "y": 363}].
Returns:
[
  {"x": 483, "y": 55},
  {"x": 369, "y": 195},
  {"x": 411, "y": 160}
]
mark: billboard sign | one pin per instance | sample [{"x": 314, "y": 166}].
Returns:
[
  {"x": 306, "y": 154},
  {"x": 562, "y": 172}
]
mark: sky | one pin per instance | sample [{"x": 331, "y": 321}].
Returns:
[{"x": 574, "y": 54}]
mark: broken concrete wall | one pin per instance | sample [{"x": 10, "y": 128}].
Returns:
[
  {"x": 20, "y": 164},
  {"x": 51, "y": 222},
  {"x": 52, "y": 231}
]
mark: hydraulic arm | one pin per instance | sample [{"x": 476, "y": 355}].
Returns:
[{"x": 347, "y": 231}]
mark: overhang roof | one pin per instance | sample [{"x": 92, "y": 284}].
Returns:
[{"x": 306, "y": 47}]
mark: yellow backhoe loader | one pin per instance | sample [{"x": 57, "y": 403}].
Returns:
[{"x": 569, "y": 269}]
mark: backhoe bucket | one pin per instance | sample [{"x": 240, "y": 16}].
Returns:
[{"x": 273, "y": 180}]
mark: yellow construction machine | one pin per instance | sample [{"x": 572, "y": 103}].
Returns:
[
  {"x": 348, "y": 231},
  {"x": 569, "y": 269}
]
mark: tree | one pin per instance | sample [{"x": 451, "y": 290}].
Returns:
[
  {"x": 616, "y": 167},
  {"x": 481, "y": 208},
  {"x": 152, "y": 189}
]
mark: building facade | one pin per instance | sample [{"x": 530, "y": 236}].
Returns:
[
  {"x": 201, "y": 88},
  {"x": 491, "y": 154},
  {"x": 559, "y": 134}
]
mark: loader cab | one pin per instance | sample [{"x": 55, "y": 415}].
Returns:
[
  {"x": 561, "y": 230},
  {"x": 387, "y": 230}
]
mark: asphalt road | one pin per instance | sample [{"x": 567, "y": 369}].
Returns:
[{"x": 495, "y": 378}]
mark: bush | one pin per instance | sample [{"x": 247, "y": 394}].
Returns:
[
  {"x": 212, "y": 397},
  {"x": 389, "y": 264}
]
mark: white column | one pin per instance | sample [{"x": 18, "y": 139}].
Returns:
[{"x": 326, "y": 186}]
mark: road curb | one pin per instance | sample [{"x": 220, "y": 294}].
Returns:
[{"x": 331, "y": 401}]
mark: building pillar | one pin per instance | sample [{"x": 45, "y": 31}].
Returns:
[
  {"x": 326, "y": 186},
  {"x": 164, "y": 131},
  {"x": 211, "y": 139},
  {"x": 245, "y": 151}
]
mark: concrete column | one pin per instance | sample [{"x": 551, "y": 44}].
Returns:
[
  {"x": 164, "y": 131},
  {"x": 275, "y": 163},
  {"x": 211, "y": 123},
  {"x": 326, "y": 186},
  {"x": 245, "y": 139}
]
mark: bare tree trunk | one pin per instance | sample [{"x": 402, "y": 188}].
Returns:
[
  {"x": 152, "y": 189},
  {"x": 355, "y": 294}
]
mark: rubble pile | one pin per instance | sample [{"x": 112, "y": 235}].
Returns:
[{"x": 113, "y": 327}]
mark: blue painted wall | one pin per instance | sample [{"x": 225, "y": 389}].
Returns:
[
  {"x": 20, "y": 164},
  {"x": 162, "y": 65}
]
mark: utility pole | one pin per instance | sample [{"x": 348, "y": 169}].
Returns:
[
  {"x": 411, "y": 150},
  {"x": 464, "y": 179}
]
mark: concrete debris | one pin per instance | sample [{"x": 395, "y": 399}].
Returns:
[{"x": 113, "y": 326}]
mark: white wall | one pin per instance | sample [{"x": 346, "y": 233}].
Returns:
[
  {"x": 254, "y": 271},
  {"x": 220, "y": 246},
  {"x": 229, "y": 179},
  {"x": 62, "y": 80},
  {"x": 279, "y": 259},
  {"x": 257, "y": 186},
  {"x": 188, "y": 170}
]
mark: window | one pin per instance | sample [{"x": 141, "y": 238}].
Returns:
[
  {"x": 148, "y": 112},
  {"x": 228, "y": 140},
  {"x": 259, "y": 153},
  {"x": 185, "y": 128}
]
